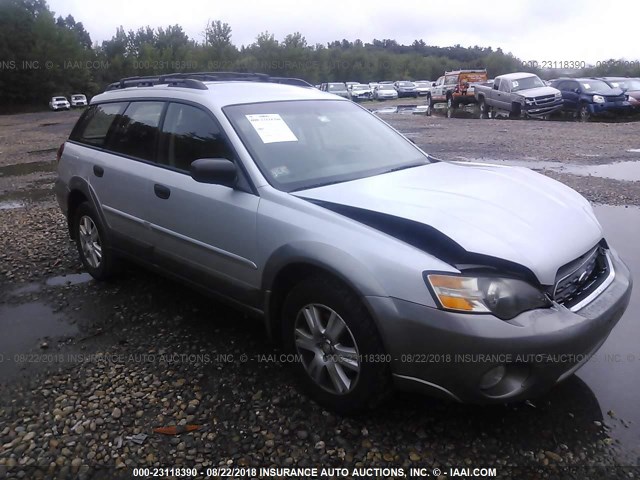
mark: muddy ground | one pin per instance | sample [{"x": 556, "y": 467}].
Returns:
[{"x": 85, "y": 367}]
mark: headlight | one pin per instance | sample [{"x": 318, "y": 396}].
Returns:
[
  {"x": 598, "y": 99},
  {"x": 558, "y": 94},
  {"x": 503, "y": 297},
  {"x": 528, "y": 101}
]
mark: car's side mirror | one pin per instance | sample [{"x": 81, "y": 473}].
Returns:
[
  {"x": 433, "y": 84},
  {"x": 576, "y": 90},
  {"x": 216, "y": 171}
]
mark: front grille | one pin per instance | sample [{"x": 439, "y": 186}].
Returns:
[
  {"x": 545, "y": 99},
  {"x": 619, "y": 98},
  {"x": 579, "y": 278}
]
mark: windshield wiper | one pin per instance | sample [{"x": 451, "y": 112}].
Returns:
[
  {"x": 403, "y": 167},
  {"x": 317, "y": 185}
]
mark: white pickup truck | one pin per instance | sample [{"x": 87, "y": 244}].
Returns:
[{"x": 518, "y": 94}]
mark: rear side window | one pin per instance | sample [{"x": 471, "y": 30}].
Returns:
[
  {"x": 94, "y": 125},
  {"x": 137, "y": 130},
  {"x": 188, "y": 134}
]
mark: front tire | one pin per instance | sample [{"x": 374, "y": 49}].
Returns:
[
  {"x": 340, "y": 360},
  {"x": 91, "y": 243},
  {"x": 584, "y": 115}
]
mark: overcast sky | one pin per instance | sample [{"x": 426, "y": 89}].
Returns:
[{"x": 579, "y": 30}]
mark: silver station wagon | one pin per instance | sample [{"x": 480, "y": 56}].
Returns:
[{"x": 375, "y": 264}]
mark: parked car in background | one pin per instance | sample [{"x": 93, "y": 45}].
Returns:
[
  {"x": 630, "y": 86},
  {"x": 456, "y": 87},
  {"x": 337, "y": 88},
  {"x": 588, "y": 97},
  {"x": 78, "y": 100},
  {"x": 360, "y": 92},
  {"x": 423, "y": 87},
  {"x": 59, "y": 103},
  {"x": 372, "y": 86},
  {"x": 385, "y": 91},
  {"x": 519, "y": 94},
  {"x": 361, "y": 253},
  {"x": 405, "y": 89}
]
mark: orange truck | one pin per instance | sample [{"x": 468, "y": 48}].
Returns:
[{"x": 456, "y": 87}]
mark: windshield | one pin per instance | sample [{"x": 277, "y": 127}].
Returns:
[
  {"x": 594, "y": 86},
  {"x": 59, "y": 99},
  {"x": 78, "y": 97},
  {"x": 336, "y": 86},
  {"x": 630, "y": 84},
  {"x": 305, "y": 144},
  {"x": 405, "y": 84},
  {"x": 386, "y": 87},
  {"x": 526, "y": 83},
  {"x": 360, "y": 87}
]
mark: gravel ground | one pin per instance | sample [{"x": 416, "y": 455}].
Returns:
[{"x": 150, "y": 353}]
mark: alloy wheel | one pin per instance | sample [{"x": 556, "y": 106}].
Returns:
[
  {"x": 327, "y": 349},
  {"x": 90, "y": 241}
]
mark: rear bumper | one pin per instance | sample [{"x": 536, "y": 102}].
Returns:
[
  {"x": 464, "y": 98},
  {"x": 62, "y": 195},
  {"x": 448, "y": 354}
]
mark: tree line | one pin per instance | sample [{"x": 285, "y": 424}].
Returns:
[{"x": 41, "y": 56}]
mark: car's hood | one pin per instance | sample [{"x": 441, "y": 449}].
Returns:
[
  {"x": 538, "y": 91},
  {"x": 510, "y": 213}
]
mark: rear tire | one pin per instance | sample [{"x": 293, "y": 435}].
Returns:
[
  {"x": 94, "y": 251},
  {"x": 340, "y": 361},
  {"x": 484, "y": 109}
]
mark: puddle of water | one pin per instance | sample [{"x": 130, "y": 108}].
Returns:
[
  {"x": 18, "y": 199},
  {"x": 10, "y": 204},
  {"x": 614, "y": 373},
  {"x": 626, "y": 171},
  {"x": 27, "y": 288},
  {"x": 24, "y": 327},
  {"x": 71, "y": 279},
  {"x": 27, "y": 168}
]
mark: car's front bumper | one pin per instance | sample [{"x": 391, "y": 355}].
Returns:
[
  {"x": 448, "y": 354},
  {"x": 609, "y": 108}
]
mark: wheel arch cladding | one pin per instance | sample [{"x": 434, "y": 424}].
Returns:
[
  {"x": 291, "y": 264},
  {"x": 79, "y": 192}
]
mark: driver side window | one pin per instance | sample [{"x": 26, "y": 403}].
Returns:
[{"x": 188, "y": 134}]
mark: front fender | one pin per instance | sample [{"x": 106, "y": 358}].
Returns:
[{"x": 327, "y": 257}]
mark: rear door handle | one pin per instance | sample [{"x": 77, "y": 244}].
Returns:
[
  {"x": 98, "y": 171},
  {"x": 161, "y": 191}
]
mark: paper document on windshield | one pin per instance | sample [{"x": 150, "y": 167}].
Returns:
[{"x": 271, "y": 128}]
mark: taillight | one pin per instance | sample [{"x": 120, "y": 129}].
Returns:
[{"x": 60, "y": 152}]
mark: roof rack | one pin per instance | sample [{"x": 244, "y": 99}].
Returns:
[
  {"x": 195, "y": 80},
  {"x": 466, "y": 71}
]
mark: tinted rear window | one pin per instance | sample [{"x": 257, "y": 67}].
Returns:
[
  {"x": 94, "y": 125},
  {"x": 137, "y": 130}
]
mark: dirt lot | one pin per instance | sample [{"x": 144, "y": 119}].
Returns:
[{"x": 85, "y": 367}]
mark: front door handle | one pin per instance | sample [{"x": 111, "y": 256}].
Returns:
[
  {"x": 98, "y": 171},
  {"x": 161, "y": 191}
]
